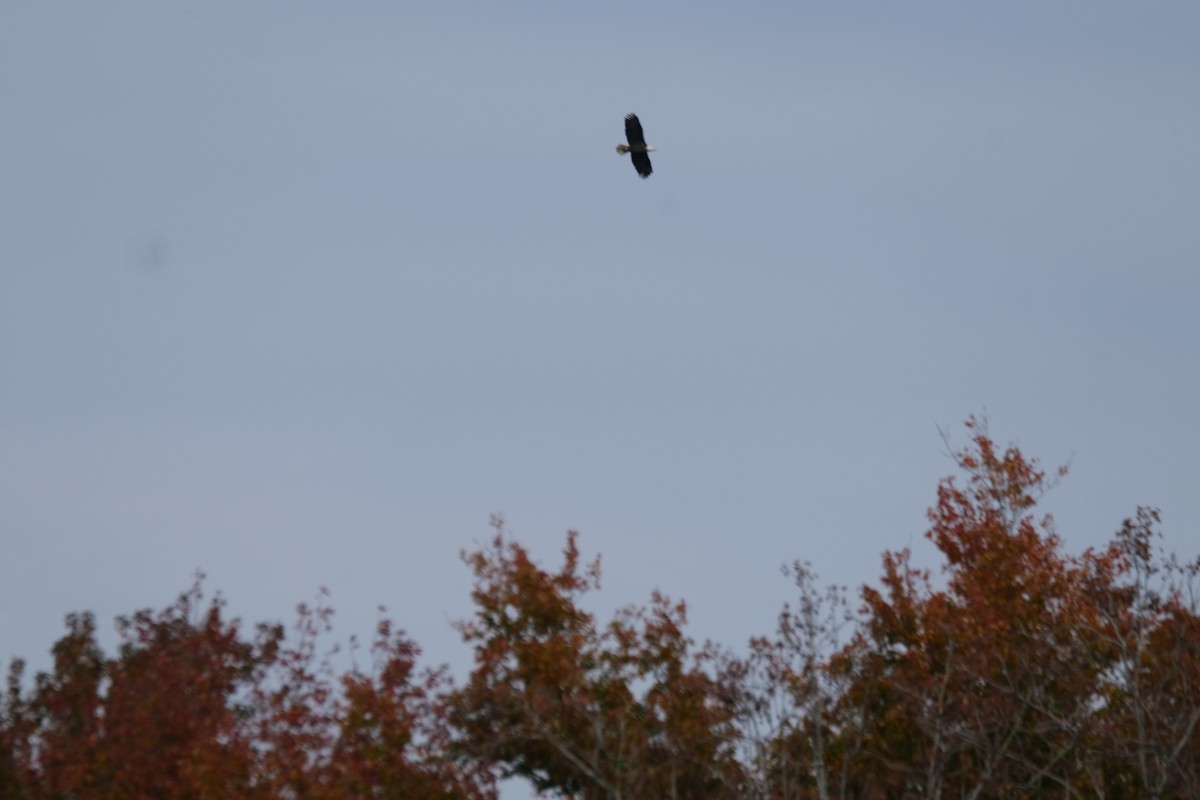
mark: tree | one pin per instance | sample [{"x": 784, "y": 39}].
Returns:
[
  {"x": 787, "y": 697},
  {"x": 620, "y": 712},
  {"x": 170, "y": 728},
  {"x": 1145, "y": 729},
  {"x": 394, "y": 739},
  {"x": 63, "y": 719},
  {"x": 1017, "y": 671},
  {"x": 191, "y": 708},
  {"x": 983, "y": 688}
]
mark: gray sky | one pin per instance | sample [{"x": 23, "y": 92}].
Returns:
[{"x": 299, "y": 293}]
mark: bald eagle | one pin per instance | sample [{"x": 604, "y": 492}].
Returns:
[{"x": 637, "y": 147}]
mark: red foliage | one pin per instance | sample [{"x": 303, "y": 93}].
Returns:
[
  {"x": 1020, "y": 671},
  {"x": 191, "y": 709},
  {"x": 620, "y": 711}
]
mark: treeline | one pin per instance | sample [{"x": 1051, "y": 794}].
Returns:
[{"x": 1018, "y": 671}]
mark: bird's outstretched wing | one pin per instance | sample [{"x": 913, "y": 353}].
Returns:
[
  {"x": 633, "y": 131},
  {"x": 641, "y": 162}
]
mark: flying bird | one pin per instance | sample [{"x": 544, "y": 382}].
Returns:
[{"x": 637, "y": 147}]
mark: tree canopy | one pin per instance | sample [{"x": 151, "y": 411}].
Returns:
[{"x": 1018, "y": 670}]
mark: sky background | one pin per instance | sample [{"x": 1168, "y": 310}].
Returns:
[{"x": 300, "y": 293}]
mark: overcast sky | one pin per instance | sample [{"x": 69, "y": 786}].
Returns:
[{"x": 300, "y": 293}]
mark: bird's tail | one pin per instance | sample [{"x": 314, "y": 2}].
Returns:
[{"x": 622, "y": 149}]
